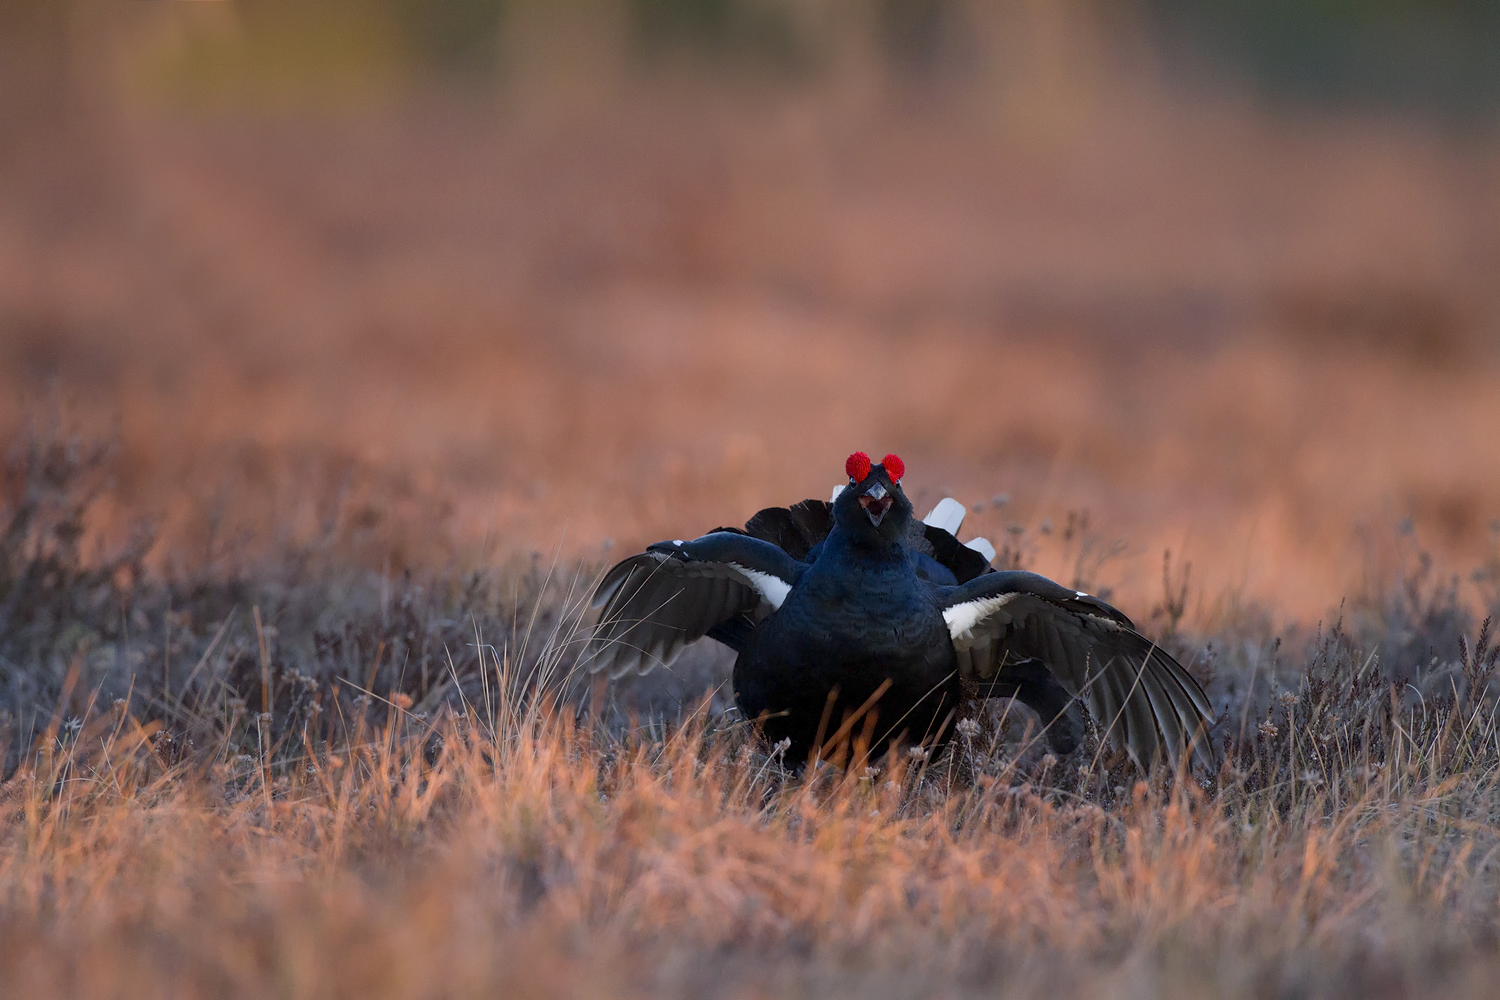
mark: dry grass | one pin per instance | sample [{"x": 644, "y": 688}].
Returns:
[
  {"x": 314, "y": 729},
  {"x": 297, "y": 782},
  {"x": 551, "y": 862},
  {"x": 546, "y": 859}
]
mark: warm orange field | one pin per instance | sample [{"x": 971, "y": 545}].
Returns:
[
  {"x": 644, "y": 310},
  {"x": 494, "y": 338},
  {"x": 1346, "y": 849}
]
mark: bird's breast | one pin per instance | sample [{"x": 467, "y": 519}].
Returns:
[{"x": 874, "y": 616}]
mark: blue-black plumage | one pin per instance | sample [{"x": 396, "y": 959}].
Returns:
[{"x": 851, "y": 617}]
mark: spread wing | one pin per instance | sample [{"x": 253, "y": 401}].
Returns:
[
  {"x": 1141, "y": 697},
  {"x": 656, "y": 603}
]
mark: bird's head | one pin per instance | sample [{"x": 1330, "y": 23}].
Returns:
[{"x": 873, "y": 508}]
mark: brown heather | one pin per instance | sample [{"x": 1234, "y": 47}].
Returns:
[
  {"x": 322, "y": 731},
  {"x": 375, "y": 800}
]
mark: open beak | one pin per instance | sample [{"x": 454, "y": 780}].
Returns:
[{"x": 875, "y": 503}]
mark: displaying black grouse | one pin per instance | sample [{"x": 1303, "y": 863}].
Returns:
[{"x": 852, "y": 611}]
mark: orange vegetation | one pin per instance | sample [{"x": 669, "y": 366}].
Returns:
[
  {"x": 1233, "y": 336},
  {"x": 585, "y": 311},
  {"x": 548, "y": 863}
]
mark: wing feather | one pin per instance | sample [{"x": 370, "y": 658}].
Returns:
[
  {"x": 658, "y": 602},
  {"x": 654, "y": 606},
  {"x": 1105, "y": 700},
  {"x": 1163, "y": 709},
  {"x": 1143, "y": 698}
]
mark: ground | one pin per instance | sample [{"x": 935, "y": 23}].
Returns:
[
  {"x": 299, "y": 779},
  {"x": 320, "y": 422}
]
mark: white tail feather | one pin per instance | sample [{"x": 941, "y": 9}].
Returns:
[
  {"x": 948, "y": 515},
  {"x": 983, "y": 547}
]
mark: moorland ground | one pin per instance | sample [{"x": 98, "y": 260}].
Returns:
[
  {"x": 296, "y": 778},
  {"x": 320, "y": 421}
]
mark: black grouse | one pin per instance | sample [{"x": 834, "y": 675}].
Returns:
[{"x": 852, "y": 617}]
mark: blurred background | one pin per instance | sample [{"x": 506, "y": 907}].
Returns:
[{"x": 451, "y": 282}]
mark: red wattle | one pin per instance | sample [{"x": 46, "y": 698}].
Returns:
[
  {"x": 857, "y": 466},
  {"x": 894, "y": 467}
]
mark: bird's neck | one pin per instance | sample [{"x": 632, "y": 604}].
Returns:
[{"x": 849, "y": 545}]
